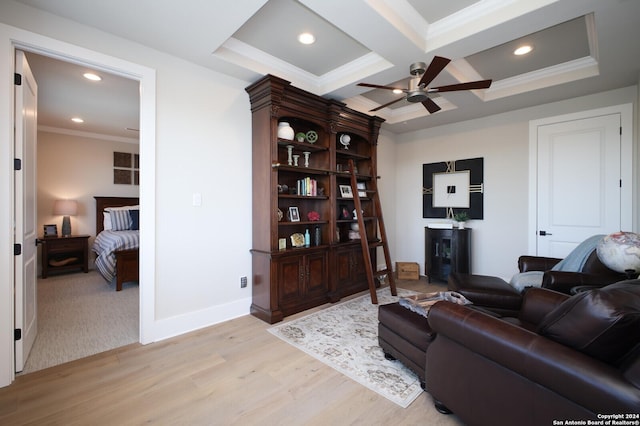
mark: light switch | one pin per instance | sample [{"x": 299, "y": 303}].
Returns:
[{"x": 197, "y": 199}]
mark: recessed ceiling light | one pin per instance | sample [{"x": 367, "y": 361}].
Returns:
[
  {"x": 523, "y": 50},
  {"x": 77, "y": 120},
  {"x": 91, "y": 76},
  {"x": 306, "y": 38}
]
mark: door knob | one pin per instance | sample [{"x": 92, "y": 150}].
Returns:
[{"x": 544, "y": 233}]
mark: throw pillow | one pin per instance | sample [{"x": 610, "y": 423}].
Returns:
[
  {"x": 602, "y": 323},
  {"x": 135, "y": 219},
  {"x": 120, "y": 220},
  {"x": 523, "y": 280}
]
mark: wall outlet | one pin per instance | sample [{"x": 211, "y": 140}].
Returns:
[{"x": 243, "y": 282}]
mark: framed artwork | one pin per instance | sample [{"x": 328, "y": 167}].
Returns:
[
  {"x": 344, "y": 212},
  {"x": 345, "y": 191},
  {"x": 451, "y": 187},
  {"x": 294, "y": 214},
  {"x": 362, "y": 186},
  {"x": 126, "y": 168},
  {"x": 50, "y": 231}
]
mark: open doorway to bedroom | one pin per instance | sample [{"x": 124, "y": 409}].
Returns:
[{"x": 80, "y": 314}]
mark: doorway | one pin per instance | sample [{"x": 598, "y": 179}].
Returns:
[
  {"x": 74, "y": 161},
  {"x": 11, "y": 39},
  {"x": 580, "y": 178}
]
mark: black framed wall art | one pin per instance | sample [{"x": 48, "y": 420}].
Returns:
[{"x": 451, "y": 187}]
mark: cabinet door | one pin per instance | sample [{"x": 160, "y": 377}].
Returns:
[
  {"x": 290, "y": 278},
  {"x": 358, "y": 270},
  {"x": 343, "y": 267},
  {"x": 317, "y": 274}
]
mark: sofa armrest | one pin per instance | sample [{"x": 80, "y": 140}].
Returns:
[
  {"x": 538, "y": 302},
  {"x": 577, "y": 377},
  {"x": 536, "y": 263},
  {"x": 563, "y": 281}
]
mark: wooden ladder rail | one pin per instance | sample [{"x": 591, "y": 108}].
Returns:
[{"x": 367, "y": 245}]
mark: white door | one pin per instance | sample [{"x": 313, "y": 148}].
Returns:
[
  {"x": 26, "y": 107},
  {"x": 579, "y": 176}
]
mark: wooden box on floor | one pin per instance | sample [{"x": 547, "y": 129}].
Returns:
[{"x": 408, "y": 270}]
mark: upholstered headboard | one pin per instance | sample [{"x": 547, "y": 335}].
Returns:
[{"x": 104, "y": 202}]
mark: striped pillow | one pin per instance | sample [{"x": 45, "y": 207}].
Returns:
[{"x": 120, "y": 220}]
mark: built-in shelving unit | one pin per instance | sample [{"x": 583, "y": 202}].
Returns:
[{"x": 288, "y": 278}]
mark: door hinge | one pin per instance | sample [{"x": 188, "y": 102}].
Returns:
[
  {"x": 17, "y": 334},
  {"x": 17, "y": 164},
  {"x": 620, "y": 130},
  {"x": 17, "y": 249},
  {"x": 17, "y": 79}
]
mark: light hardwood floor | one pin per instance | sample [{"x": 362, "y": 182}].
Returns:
[{"x": 231, "y": 373}]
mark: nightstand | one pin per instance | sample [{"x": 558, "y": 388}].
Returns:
[{"x": 64, "y": 254}]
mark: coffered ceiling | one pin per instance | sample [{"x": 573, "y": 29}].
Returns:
[{"x": 579, "y": 47}]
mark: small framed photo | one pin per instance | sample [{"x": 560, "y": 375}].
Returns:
[
  {"x": 50, "y": 230},
  {"x": 362, "y": 189},
  {"x": 294, "y": 214},
  {"x": 344, "y": 212},
  {"x": 345, "y": 191}
]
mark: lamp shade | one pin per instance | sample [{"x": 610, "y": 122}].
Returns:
[{"x": 65, "y": 207}]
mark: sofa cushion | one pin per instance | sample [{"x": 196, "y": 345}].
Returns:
[{"x": 602, "y": 323}]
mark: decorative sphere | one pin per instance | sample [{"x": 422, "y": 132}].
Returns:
[{"x": 620, "y": 251}]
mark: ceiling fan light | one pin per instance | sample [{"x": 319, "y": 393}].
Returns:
[
  {"x": 416, "y": 96},
  {"x": 523, "y": 50},
  {"x": 77, "y": 120},
  {"x": 306, "y": 38},
  {"x": 397, "y": 91}
]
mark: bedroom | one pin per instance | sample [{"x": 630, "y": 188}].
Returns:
[{"x": 76, "y": 164}]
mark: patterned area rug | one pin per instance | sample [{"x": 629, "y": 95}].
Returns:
[{"x": 345, "y": 337}]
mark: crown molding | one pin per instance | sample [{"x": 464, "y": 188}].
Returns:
[{"x": 90, "y": 135}]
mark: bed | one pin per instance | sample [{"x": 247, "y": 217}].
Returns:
[{"x": 117, "y": 252}]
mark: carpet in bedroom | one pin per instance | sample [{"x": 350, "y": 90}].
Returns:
[{"x": 81, "y": 315}]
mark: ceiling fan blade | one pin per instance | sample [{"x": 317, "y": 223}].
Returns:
[
  {"x": 481, "y": 84},
  {"x": 435, "y": 67},
  {"x": 375, "y": 86},
  {"x": 431, "y": 106},
  {"x": 387, "y": 104}
]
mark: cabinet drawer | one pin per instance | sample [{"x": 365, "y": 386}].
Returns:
[{"x": 60, "y": 246}]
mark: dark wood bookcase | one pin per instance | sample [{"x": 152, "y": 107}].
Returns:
[{"x": 292, "y": 279}]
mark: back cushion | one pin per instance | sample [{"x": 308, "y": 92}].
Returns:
[{"x": 602, "y": 323}]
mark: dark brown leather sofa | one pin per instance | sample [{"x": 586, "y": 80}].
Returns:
[
  {"x": 563, "y": 358},
  {"x": 594, "y": 273}
]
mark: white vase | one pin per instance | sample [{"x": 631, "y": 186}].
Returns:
[
  {"x": 460, "y": 225},
  {"x": 285, "y": 131}
]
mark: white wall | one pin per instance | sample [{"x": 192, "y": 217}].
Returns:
[
  {"x": 503, "y": 141},
  {"x": 77, "y": 168}
]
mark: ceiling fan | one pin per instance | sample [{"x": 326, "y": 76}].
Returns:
[{"x": 418, "y": 90}]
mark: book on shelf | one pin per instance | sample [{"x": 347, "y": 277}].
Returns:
[{"x": 307, "y": 187}]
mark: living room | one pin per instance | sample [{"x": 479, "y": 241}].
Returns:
[{"x": 200, "y": 136}]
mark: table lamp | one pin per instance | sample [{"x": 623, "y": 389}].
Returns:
[{"x": 65, "y": 208}]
